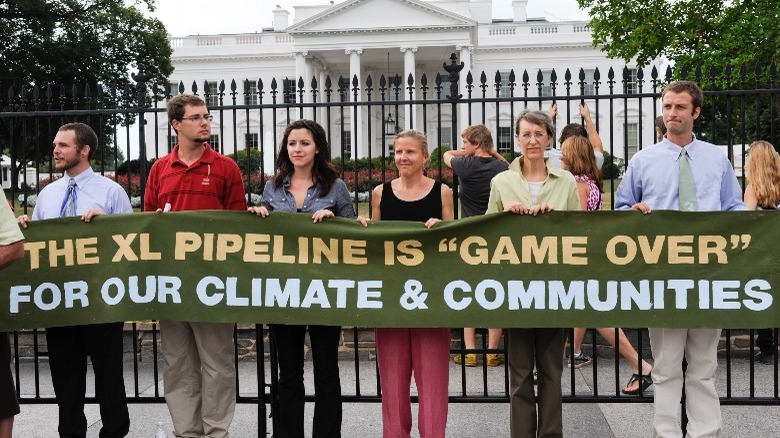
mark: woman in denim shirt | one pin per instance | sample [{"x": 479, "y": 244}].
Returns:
[{"x": 307, "y": 182}]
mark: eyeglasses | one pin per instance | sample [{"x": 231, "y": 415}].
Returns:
[
  {"x": 536, "y": 135},
  {"x": 206, "y": 117}
]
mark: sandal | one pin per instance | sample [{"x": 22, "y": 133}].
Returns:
[{"x": 643, "y": 384}]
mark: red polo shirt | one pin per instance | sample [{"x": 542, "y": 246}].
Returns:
[{"x": 211, "y": 183}]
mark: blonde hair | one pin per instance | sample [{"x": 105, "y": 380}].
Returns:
[
  {"x": 578, "y": 154},
  {"x": 763, "y": 170}
]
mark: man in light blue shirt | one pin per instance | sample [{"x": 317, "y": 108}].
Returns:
[
  {"x": 653, "y": 181},
  {"x": 82, "y": 192}
]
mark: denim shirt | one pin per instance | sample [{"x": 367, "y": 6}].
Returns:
[{"x": 338, "y": 200}]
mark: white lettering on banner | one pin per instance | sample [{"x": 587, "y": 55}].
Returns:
[
  {"x": 290, "y": 293},
  {"x": 644, "y": 295}
]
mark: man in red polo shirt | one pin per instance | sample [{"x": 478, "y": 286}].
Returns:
[{"x": 199, "y": 373}]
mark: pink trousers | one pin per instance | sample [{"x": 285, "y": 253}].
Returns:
[{"x": 426, "y": 353}]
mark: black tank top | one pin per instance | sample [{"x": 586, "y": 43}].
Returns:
[{"x": 393, "y": 209}]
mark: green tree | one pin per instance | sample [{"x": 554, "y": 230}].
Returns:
[
  {"x": 76, "y": 49},
  {"x": 688, "y": 32},
  {"x": 721, "y": 45}
]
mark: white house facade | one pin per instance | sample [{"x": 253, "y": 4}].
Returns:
[{"x": 374, "y": 38}]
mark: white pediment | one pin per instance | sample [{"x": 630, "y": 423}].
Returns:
[{"x": 360, "y": 16}]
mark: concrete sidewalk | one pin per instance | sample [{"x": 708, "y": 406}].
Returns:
[{"x": 465, "y": 420}]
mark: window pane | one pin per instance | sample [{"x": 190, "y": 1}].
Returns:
[
  {"x": 213, "y": 98},
  {"x": 504, "y": 91},
  {"x": 173, "y": 89},
  {"x": 214, "y": 142},
  {"x": 445, "y": 137},
  {"x": 590, "y": 88},
  {"x": 504, "y": 140},
  {"x": 251, "y": 141},
  {"x": 546, "y": 88},
  {"x": 631, "y": 85},
  {"x": 172, "y": 140},
  {"x": 288, "y": 90},
  {"x": 632, "y": 132},
  {"x": 346, "y": 144},
  {"x": 251, "y": 99}
]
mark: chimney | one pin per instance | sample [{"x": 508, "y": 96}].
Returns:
[
  {"x": 281, "y": 19},
  {"x": 520, "y": 10}
]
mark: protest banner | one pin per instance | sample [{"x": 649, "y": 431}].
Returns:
[{"x": 560, "y": 269}]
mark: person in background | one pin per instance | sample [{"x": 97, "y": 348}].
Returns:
[
  {"x": 82, "y": 192},
  {"x": 11, "y": 250},
  {"x": 588, "y": 131},
  {"x": 533, "y": 185},
  {"x": 424, "y": 352},
  {"x": 577, "y": 157},
  {"x": 682, "y": 173},
  {"x": 475, "y": 165},
  {"x": 660, "y": 129},
  {"x": 763, "y": 193},
  {"x": 306, "y": 182},
  {"x": 199, "y": 373}
]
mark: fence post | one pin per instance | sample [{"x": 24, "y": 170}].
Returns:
[{"x": 141, "y": 78}]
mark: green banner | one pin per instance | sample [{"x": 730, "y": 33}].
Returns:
[{"x": 561, "y": 269}]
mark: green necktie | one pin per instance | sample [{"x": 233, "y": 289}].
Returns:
[{"x": 687, "y": 188}]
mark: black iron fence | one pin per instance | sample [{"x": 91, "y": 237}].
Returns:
[{"x": 741, "y": 105}]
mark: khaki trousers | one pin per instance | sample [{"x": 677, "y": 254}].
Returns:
[
  {"x": 700, "y": 348},
  {"x": 199, "y": 377}
]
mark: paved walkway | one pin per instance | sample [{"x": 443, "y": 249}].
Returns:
[{"x": 465, "y": 420}]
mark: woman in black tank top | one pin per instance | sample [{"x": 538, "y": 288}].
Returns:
[
  {"x": 424, "y": 352},
  {"x": 763, "y": 192}
]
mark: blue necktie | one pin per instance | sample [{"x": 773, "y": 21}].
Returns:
[
  {"x": 687, "y": 188},
  {"x": 68, "y": 207}
]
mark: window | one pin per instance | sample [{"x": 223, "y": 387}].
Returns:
[
  {"x": 632, "y": 139},
  {"x": 346, "y": 144},
  {"x": 214, "y": 142},
  {"x": 445, "y": 137},
  {"x": 546, "y": 79},
  {"x": 504, "y": 90},
  {"x": 251, "y": 99},
  {"x": 590, "y": 88},
  {"x": 213, "y": 98},
  {"x": 505, "y": 140},
  {"x": 251, "y": 141},
  {"x": 631, "y": 85},
  {"x": 173, "y": 89},
  {"x": 390, "y": 151},
  {"x": 172, "y": 140},
  {"x": 288, "y": 90}
]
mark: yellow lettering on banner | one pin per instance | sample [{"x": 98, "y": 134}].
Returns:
[
  {"x": 629, "y": 249},
  {"x": 34, "y": 248},
  {"x": 146, "y": 252},
  {"x": 86, "y": 250},
  {"x": 186, "y": 242},
  {"x": 543, "y": 252},
  {"x": 712, "y": 245},
  {"x": 681, "y": 250},
  {"x": 124, "y": 251},
  {"x": 479, "y": 256},
  {"x": 66, "y": 251},
  {"x": 279, "y": 255},
  {"x": 355, "y": 252},
  {"x": 228, "y": 244},
  {"x": 389, "y": 253},
  {"x": 256, "y": 248},
  {"x": 574, "y": 250},
  {"x": 651, "y": 253},
  {"x": 410, "y": 252},
  {"x": 330, "y": 250},
  {"x": 505, "y": 251}
]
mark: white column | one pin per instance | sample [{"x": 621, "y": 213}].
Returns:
[
  {"x": 356, "y": 126},
  {"x": 323, "y": 73},
  {"x": 307, "y": 76},
  {"x": 410, "y": 116},
  {"x": 300, "y": 69}
]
